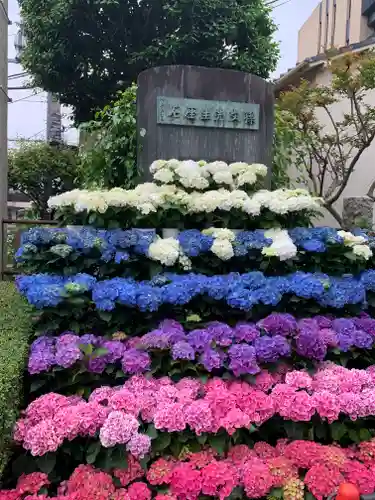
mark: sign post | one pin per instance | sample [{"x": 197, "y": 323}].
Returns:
[{"x": 189, "y": 112}]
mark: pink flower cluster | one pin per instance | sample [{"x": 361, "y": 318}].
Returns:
[
  {"x": 117, "y": 413},
  {"x": 296, "y": 465}
]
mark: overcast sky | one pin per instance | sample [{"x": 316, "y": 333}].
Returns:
[{"x": 27, "y": 112}]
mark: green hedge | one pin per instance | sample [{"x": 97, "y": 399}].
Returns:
[{"x": 15, "y": 329}]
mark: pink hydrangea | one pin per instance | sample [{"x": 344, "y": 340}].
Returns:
[
  {"x": 323, "y": 480},
  {"x": 186, "y": 482},
  {"x": 256, "y": 478},
  {"x": 160, "y": 472},
  {"x": 219, "y": 479},
  {"x": 198, "y": 416},
  {"x": 139, "y": 491},
  {"x": 132, "y": 471},
  {"x": 32, "y": 483},
  {"x": 327, "y": 405},
  {"x": 43, "y": 438},
  {"x": 118, "y": 429},
  {"x": 360, "y": 475},
  {"x": 139, "y": 445},
  {"x": 170, "y": 417}
]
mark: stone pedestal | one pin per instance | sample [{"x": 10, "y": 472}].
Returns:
[{"x": 358, "y": 212}]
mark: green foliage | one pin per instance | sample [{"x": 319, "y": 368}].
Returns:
[
  {"x": 40, "y": 170},
  {"x": 109, "y": 156},
  {"x": 325, "y": 148},
  {"x": 86, "y": 51},
  {"x": 285, "y": 134},
  {"x": 14, "y": 336}
]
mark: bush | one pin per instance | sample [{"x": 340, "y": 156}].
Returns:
[{"x": 14, "y": 336}]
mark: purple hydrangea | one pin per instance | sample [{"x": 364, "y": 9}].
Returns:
[
  {"x": 42, "y": 355},
  {"x": 311, "y": 345},
  {"x": 67, "y": 350},
  {"x": 245, "y": 332},
  {"x": 221, "y": 333},
  {"x": 270, "y": 349},
  {"x": 174, "y": 330},
  {"x": 199, "y": 339},
  {"x": 211, "y": 359},
  {"x": 156, "y": 339},
  {"x": 115, "y": 350},
  {"x": 182, "y": 350},
  {"x": 279, "y": 324},
  {"x": 242, "y": 360},
  {"x": 362, "y": 339},
  {"x": 135, "y": 361}
]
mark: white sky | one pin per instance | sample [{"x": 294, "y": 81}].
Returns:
[{"x": 27, "y": 117}]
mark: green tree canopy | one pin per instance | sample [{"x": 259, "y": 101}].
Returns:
[
  {"x": 85, "y": 51},
  {"x": 40, "y": 170}
]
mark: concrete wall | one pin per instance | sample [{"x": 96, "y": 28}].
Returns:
[{"x": 322, "y": 32}]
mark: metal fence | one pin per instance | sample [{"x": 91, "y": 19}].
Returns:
[{"x": 12, "y": 230}]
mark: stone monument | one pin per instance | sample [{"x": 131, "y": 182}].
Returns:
[
  {"x": 358, "y": 211},
  {"x": 190, "y": 112}
]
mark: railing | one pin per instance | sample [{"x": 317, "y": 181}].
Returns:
[{"x": 11, "y": 231}]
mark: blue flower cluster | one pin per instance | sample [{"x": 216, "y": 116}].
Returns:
[
  {"x": 240, "y": 291},
  {"x": 120, "y": 245}
]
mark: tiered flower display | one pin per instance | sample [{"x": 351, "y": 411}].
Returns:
[{"x": 196, "y": 338}]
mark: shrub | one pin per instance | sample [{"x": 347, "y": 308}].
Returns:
[{"x": 14, "y": 336}]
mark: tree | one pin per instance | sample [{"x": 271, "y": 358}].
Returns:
[
  {"x": 85, "y": 51},
  {"x": 109, "y": 156},
  {"x": 39, "y": 170},
  {"x": 326, "y": 155}
]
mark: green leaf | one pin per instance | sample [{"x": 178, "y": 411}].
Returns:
[
  {"x": 87, "y": 349},
  {"x": 338, "y": 430},
  {"x": 354, "y": 436},
  {"x": 218, "y": 442},
  {"x": 92, "y": 452},
  {"x": 161, "y": 442},
  {"x": 202, "y": 439},
  {"x": 364, "y": 434},
  {"x": 105, "y": 316},
  {"x": 47, "y": 462},
  {"x": 119, "y": 458},
  {"x": 36, "y": 384},
  {"x": 152, "y": 432},
  {"x": 100, "y": 351}
]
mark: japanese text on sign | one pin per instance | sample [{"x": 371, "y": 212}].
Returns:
[{"x": 210, "y": 114}]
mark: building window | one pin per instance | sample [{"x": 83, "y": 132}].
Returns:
[
  {"x": 320, "y": 27},
  {"x": 333, "y": 32},
  {"x": 348, "y": 14}
]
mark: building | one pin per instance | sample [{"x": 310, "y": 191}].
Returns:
[
  {"x": 336, "y": 23},
  {"x": 347, "y": 26}
]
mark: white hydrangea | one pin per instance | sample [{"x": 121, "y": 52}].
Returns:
[
  {"x": 248, "y": 177},
  {"x": 222, "y": 248},
  {"x": 238, "y": 168},
  {"x": 350, "y": 239},
  {"x": 220, "y": 233},
  {"x": 259, "y": 169},
  {"x": 217, "y": 166},
  {"x": 185, "y": 262},
  {"x": 164, "y": 175},
  {"x": 363, "y": 251},
  {"x": 157, "y": 165},
  {"x": 150, "y": 197},
  {"x": 282, "y": 245},
  {"x": 223, "y": 177},
  {"x": 165, "y": 250}
]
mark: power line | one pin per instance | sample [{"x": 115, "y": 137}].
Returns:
[{"x": 27, "y": 97}]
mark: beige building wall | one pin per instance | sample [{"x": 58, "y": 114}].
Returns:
[
  {"x": 364, "y": 173},
  {"x": 339, "y": 25}
]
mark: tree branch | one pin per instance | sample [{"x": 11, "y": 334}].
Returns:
[
  {"x": 334, "y": 213},
  {"x": 349, "y": 171}
]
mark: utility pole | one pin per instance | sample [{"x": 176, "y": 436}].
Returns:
[{"x": 4, "y": 21}]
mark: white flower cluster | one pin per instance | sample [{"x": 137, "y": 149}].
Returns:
[
  {"x": 201, "y": 175},
  {"x": 357, "y": 244},
  {"x": 149, "y": 197},
  {"x": 282, "y": 245},
  {"x": 168, "y": 252}
]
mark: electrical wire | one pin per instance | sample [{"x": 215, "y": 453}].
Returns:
[{"x": 27, "y": 97}]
